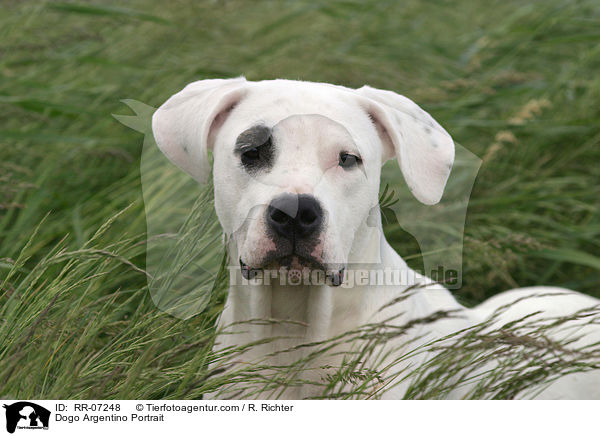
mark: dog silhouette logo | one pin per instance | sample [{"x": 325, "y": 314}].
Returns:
[{"x": 26, "y": 415}]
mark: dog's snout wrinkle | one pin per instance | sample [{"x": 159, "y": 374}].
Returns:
[{"x": 294, "y": 216}]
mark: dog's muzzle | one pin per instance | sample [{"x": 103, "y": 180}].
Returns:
[
  {"x": 295, "y": 217},
  {"x": 295, "y": 224}
]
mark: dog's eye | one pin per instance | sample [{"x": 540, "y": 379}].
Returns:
[
  {"x": 253, "y": 155},
  {"x": 250, "y": 155},
  {"x": 348, "y": 160}
]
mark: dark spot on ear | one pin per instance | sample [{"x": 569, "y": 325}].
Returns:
[
  {"x": 427, "y": 130},
  {"x": 434, "y": 144}
]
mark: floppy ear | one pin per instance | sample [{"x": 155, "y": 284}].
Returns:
[
  {"x": 425, "y": 151},
  {"x": 185, "y": 126}
]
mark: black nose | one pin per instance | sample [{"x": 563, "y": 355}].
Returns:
[{"x": 294, "y": 216}]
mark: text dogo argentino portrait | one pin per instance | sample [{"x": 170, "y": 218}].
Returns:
[{"x": 296, "y": 181}]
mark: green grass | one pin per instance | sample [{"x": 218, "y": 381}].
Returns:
[{"x": 515, "y": 83}]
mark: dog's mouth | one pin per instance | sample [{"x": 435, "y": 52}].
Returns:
[{"x": 294, "y": 262}]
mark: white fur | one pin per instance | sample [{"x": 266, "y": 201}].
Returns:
[{"x": 311, "y": 123}]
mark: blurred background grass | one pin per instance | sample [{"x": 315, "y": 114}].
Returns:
[{"x": 515, "y": 82}]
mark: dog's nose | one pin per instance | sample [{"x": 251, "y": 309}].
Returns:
[{"x": 294, "y": 216}]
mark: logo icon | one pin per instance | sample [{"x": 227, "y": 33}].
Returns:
[{"x": 26, "y": 415}]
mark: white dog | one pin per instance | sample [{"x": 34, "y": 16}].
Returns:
[{"x": 296, "y": 179}]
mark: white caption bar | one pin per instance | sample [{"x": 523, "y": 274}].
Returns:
[{"x": 462, "y": 418}]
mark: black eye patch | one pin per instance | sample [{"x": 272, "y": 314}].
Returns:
[{"x": 255, "y": 149}]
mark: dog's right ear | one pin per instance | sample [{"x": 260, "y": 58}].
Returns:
[
  {"x": 425, "y": 151},
  {"x": 185, "y": 126}
]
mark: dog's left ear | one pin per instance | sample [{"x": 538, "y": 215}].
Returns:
[
  {"x": 425, "y": 151},
  {"x": 186, "y": 125}
]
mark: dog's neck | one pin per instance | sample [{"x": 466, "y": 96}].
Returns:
[
  {"x": 280, "y": 320},
  {"x": 313, "y": 311}
]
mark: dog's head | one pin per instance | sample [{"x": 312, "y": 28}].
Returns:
[{"x": 297, "y": 164}]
